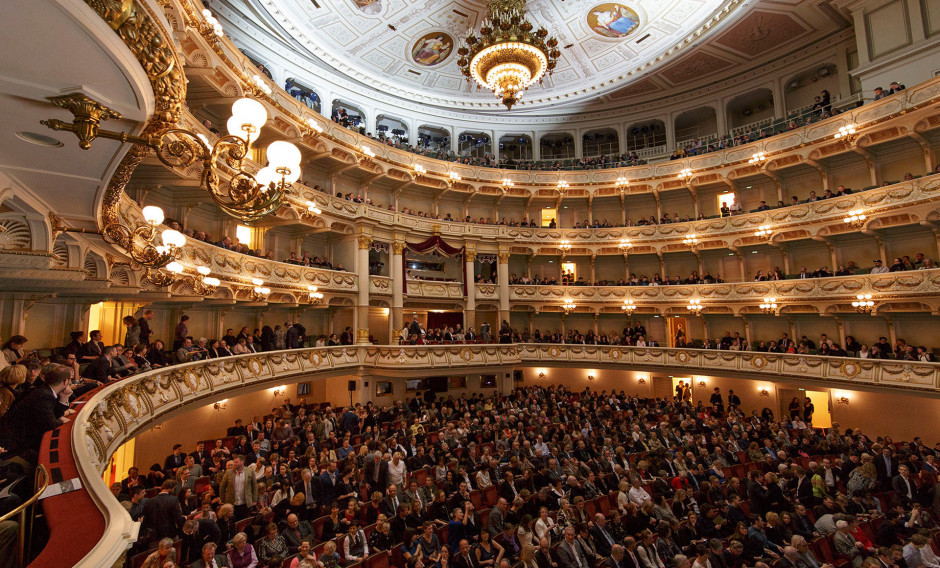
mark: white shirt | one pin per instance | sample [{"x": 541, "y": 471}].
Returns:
[
  {"x": 638, "y": 495},
  {"x": 396, "y": 473},
  {"x": 239, "y": 477}
]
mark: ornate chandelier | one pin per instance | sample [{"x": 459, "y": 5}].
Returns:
[{"x": 507, "y": 56}]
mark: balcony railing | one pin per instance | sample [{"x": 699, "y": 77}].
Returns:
[{"x": 120, "y": 411}]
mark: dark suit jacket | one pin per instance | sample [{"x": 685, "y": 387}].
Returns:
[
  {"x": 897, "y": 484},
  {"x": 220, "y": 561},
  {"x": 100, "y": 370},
  {"x": 293, "y": 539},
  {"x": 163, "y": 516},
  {"x": 388, "y": 507},
  {"x": 458, "y": 561},
  {"x": 22, "y": 427},
  {"x": 600, "y": 542},
  {"x": 206, "y": 531},
  {"x": 369, "y": 476}
]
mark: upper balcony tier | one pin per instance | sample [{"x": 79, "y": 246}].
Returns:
[{"x": 218, "y": 71}]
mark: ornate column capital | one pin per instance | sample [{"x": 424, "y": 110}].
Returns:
[
  {"x": 503, "y": 257},
  {"x": 365, "y": 242},
  {"x": 398, "y": 247}
]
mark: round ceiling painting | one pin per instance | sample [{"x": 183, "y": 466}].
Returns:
[
  {"x": 613, "y": 20},
  {"x": 432, "y": 48}
]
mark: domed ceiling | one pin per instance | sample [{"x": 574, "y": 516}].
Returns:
[{"x": 407, "y": 48}]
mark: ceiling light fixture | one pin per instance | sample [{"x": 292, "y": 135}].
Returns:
[{"x": 508, "y": 54}]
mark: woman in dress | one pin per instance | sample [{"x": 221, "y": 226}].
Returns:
[{"x": 487, "y": 552}]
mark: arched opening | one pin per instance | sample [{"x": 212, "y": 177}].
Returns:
[
  {"x": 648, "y": 134},
  {"x": 750, "y": 110},
  {"x": 303, "y": 93},
  {"x": 601, "y": 142},
  {"x": 433, "y": 138},
  {"x": 801, "y": 90},
  {"x": 348, "y": 115},
  {"x": 476, "y": 144},
  {"x": 515, "y": 147},
  {"x": 696, "y": 126},
  {"x": 390, "y": 128},
  {"x": 556, "y": 146}
]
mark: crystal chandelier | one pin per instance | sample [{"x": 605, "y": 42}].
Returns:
[{"x": 507, "y": 56}]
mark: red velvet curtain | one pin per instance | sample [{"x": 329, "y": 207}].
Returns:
[{"x": 434, "y": 243}]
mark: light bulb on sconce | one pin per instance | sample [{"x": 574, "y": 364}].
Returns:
[
  {"x": 541, "y": 375},
  {"x": 764, "y": 392},
  {"x": 702, "y": 384},
  {"x": 641, "y": 381},
  {"x": 590, "y": 377},
  {"x": 220, "y": 406},
  {"x": 842, "y": 400}
]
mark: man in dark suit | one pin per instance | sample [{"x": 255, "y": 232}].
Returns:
[
  {"x": 101, "y": 369},
  {"x": 615, "y": 560},
  {"x": 44, "y": 408},
  {"x": 144, "y": 324},
  {"x": 174, "y": 460},
  {"x": 390, "y": 504},
  {"x": 94, "y": 347},
  {"x": 296, "y": 532},
  {"x": 463, "y": 558},
  {"x": 603, "y": 541},
  {"x": 887, "y": 467},
  {"x": 197, "y": 533},
  {"x": 376, "y": 474},
  {"x": 210, "y": 559},
  {"x": 905, "y": 486},
  {"x": 310, "y": 487},
  {"x": 802, "y": 487},
  {"x": 162, "y": 514}
]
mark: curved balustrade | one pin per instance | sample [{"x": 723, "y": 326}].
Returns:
[
  {"x": 822, "y": 293},
  {"x": 120, "y": 411},
  {"x": 233, "y": 66},
  {"x": 797, "y": 221}
]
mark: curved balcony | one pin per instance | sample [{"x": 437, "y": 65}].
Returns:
[
  {"x": 823, "y": 217},
  {"x": 120, "y": 411},
  {"x": 233, "y": 73},
  {"x": 821, "y": 295}
]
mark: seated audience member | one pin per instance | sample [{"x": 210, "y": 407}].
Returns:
[{"x": 44, "y": 408}]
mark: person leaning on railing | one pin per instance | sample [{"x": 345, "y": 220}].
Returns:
[{"x": 44, "y": 408}]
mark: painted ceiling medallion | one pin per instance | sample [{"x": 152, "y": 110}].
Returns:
[
  {"x": 613, "y": 20},
  {"x": 433, "y": 48}
]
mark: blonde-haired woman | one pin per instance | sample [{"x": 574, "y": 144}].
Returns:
[
  {"x": 10, "y": 378},
  {"x": 527, "y": 557}
]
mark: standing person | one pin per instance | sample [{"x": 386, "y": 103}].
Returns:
[
  {"x": 181, "y": 332},
  {"x": 132, "y": 335},
  {"x": 239, "y": 487},
  {"x": 280, "y": 337},
  {"x": 144, "y": 324},
  {"x": 292, "y": 337},
  {"x": 163, "y": 516}
]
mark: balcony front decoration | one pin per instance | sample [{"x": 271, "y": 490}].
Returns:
[
  {"x": 247, "y": 196},
  {"x": 507, "y": 54}
]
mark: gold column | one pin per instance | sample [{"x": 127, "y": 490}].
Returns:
[{"x": 362, "y": 309}]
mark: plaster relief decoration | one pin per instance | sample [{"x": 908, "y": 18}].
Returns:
[
  {"x": 613, "y": 20},
  {"x": 432, "y": 48},
  {"x": 370, "y": 7}
]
